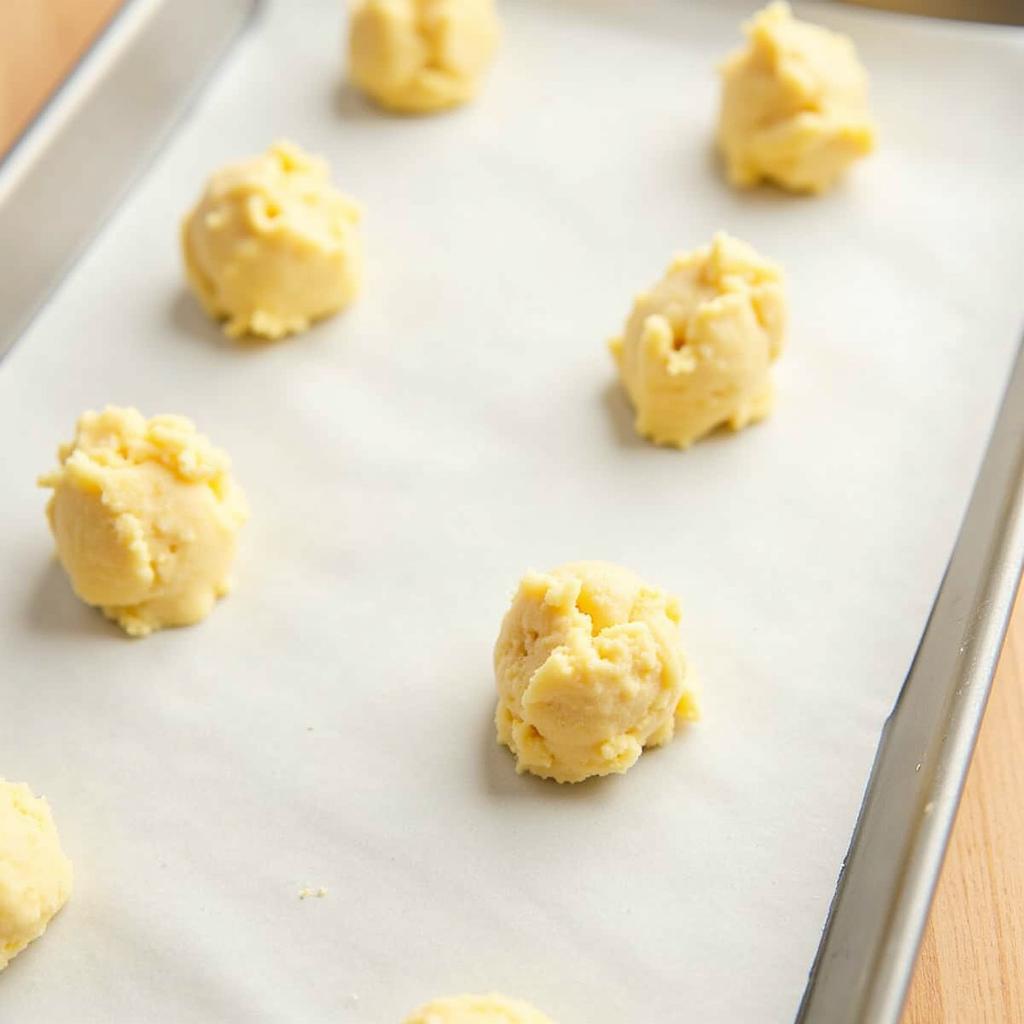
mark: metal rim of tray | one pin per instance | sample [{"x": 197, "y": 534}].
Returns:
[{"x": 869, "y": 944}]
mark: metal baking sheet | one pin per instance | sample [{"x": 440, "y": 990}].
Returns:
[{"x": 329, "y": 725}]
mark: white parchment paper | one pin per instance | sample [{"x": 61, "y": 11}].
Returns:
[{"x": 330, "y": 723}]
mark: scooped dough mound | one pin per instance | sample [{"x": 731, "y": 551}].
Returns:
[
  {"x": 272, "y": 245},
  {"x": 589, "y": 671},
  {"x": 794, "y": 105},
  {"x": 35, "y": 876},
  {"x": 145, "y": 515},
  {"x": 419, "y": 56},
  {"x": 697, "y": 348},
  {"x": 489, "y": 1009}
]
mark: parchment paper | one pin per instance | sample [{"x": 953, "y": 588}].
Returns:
[{"x": 330, "y": 723}]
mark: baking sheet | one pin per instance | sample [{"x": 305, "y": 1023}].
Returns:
[{"x": 329, "y": 725}]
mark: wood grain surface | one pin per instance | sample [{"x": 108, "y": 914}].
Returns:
[
  {"x": 39, "y": 42},
  {"x": 971, "y": 966}
]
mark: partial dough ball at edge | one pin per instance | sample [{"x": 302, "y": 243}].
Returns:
[{"x": 35, "y": 875}]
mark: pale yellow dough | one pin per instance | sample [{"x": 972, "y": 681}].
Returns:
[
  {"x": 697, "y": 348},
  {"x": 35, "y": 876},
  {"x": 272, "y": 245},
  {"x": 419, "y": 56},
  {"x": 794, "y": 105},
  {"x": 589, "y": 671},
  {"x": 488, "y": 1009},
  {"x": 145, "y": 514}
]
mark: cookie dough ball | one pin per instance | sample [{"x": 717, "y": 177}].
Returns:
[
  {"x": 589, "y": 672},
  {"x": 490, "y": 1009},
  {"x": 794, "y": 105},
  {"x": 145, "y": 515},
  {"x": 272, "y": 245},
  {"x": 35, "y": 876},
  {"x": 418, "y": 56},
  {"x": 697, "y": 347}
]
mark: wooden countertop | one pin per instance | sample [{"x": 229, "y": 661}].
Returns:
[{"x": 971, "y": 966}]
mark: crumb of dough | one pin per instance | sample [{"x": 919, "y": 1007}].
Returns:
[
  {"x": 421, "y": 56},
  {"x": 306, "y": 892},
  {"x": 35, "y": 875},
  {"x": 589, "y": 671},
  {"x": 794, "y": 107},
  {"x": 697, "y": 348},
  {"x": 483, "y": 1009},
  {"x": 271, "y": 245},
  {"x": 145, "y": 515}
]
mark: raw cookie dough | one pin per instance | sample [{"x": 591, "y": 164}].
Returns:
[
  {"x": 589, "y": 672},
  {"x": 418, "y": 56},
  {"x": 35, "y": 876},
  {"x": 145, "y": 514},
  {"x": 794, "y": 104},
  {"x": 697, "y": 347},
  {"x": 272, "y": 245},
  {"x": 490, "y": 1009}
]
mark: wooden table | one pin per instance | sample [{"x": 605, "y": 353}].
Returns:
[{"x": 971, "y": 967}]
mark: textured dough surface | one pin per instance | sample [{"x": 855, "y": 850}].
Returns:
[
  {"x": 418, "y": 56},
  {"x": 272, "y": 245},
  {"x": 589, "y": 671},
  {"x": 487, "y": 1009},
  {"x": 145, "y": 515},
  {"x": 35, "y": 876},
  {"x": 697, "y": 347},
  {"x": 794, "y": 105}
]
